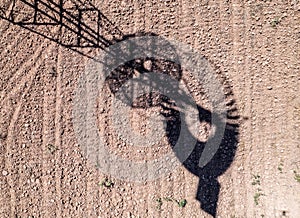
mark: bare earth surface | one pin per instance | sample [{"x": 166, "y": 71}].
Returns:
[{"x": 253, "y": 45}]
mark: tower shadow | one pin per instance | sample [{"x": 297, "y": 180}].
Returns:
[{"x": 74, "y": 24}]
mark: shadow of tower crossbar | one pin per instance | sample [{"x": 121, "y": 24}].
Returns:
[{"x": 50, "y": 13}]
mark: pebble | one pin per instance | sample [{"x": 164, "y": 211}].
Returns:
[
  {"x": 148, "y": 65},
  {"x": 4, "y": 173},
  {"x": 102, "y": 110}
]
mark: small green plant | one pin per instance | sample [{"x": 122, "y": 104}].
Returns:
[
  {"x": 51, "y": 148},
  {"x": 280, "y": 167},
  {"x": 275, "y": 22},
  {"x": 257, "y": 195},
  {"x": 97, "y": 165},
  {"x": 182, "y": 203},
  {"x": 256, "y": 180},
  {"x": 107, "y": 183},
  {"x": 296, "y": 176},
  {"x": 159, "y": 203}
]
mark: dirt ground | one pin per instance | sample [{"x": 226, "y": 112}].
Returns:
[{"x": 254, "y": 47}]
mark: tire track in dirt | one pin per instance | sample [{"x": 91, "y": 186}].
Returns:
[
  {"x": 239, "y": 64},
  {"x": 182, "y": 186},
  {"x": 12, "y": 50},
  {"x": 15, "y": 97},
  {"x": 12, "y": 57},
  {"x": 199, "y": 41},
  {"x": 29, "y": 189},
  {"x": 18, "y": 80},
  {"x": 4, "y": 26},
  {"x": 8, "y": 36},
  {"x": 257, "y": 202},
  {"x": 13, "y": 41},
  {"x": 97, "y": 196},
  {"x": 162, "y": 187},
  {"x": 141, "y": 199},
  {"x": 8, "y": 162},
  {"x": 219, "y": 48},
  {"x": 265, "y": 203},
  {"x": 51, "y": 199},
  {"x": 58, "y": 136},
  {"x": 117, "y": 199},
  {"x": 151, "y": 189},
  {"x": 206, "y": 37},
  {"x": 11, "y": 125},
  {"x": 225, "y": 199},
  {"x": 73, "y": 171},
  {"x": 145, "y": 197},
  {"x": 277, "y": 173},
  {"x": 17, "y": 90}
]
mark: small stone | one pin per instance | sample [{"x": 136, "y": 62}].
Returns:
[
  {"x": 148, "y": 65},
  {"x": 3, "y": 135},
  {"x": 269, "y": 88},
  {"x": 4, "y": 173}
]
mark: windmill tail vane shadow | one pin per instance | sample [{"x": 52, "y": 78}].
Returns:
[{"x": 72, "y": 24}]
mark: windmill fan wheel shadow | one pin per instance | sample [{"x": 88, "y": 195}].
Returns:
[{"x": 209, "y": 187}]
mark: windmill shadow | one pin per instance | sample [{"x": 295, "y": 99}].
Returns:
[{"x": 77, "y": 25}]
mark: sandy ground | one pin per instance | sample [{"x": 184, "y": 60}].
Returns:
[{"x": 255, "y": 45}]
